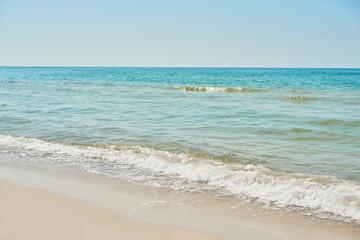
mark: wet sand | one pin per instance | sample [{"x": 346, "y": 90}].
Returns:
[
  {"x": 29, "y": 213},
  {"x": 147, "y": 212}
]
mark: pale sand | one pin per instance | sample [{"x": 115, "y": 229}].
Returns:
[
  {"x": 29, "y": 213},
  {"x": 220, "y": 216}
]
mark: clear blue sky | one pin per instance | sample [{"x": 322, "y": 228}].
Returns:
[{"x": 212, "y": 33}]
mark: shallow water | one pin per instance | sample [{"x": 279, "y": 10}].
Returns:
[{"x": 284, "y": 137}]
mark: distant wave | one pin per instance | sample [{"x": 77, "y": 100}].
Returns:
[
  {"x": 72, "y": 89},
  {"x": 215, "y": 89},
  {"x": 324, "y": 194},
  {"x": 7, "y": 81},
  {"x": 303, "y": 98}
]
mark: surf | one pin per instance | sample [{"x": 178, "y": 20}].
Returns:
[{"x": 319, "y": 194}]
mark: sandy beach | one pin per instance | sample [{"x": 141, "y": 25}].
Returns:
[
  {"x": 71, "y": 205},
  {"x": 29, "y": 213}
]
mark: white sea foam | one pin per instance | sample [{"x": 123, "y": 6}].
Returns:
[
  {"x": 320, "y": 193},
  {"x": 72, "y": 89},
  {"x": 213, "y": 89}
]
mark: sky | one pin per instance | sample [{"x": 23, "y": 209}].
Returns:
[{"x": 180, "y": 33}]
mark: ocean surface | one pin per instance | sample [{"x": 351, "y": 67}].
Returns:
[{"x": 285, "y": 138}]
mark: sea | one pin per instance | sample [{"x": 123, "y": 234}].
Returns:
[{"x": 281, "y": 137}]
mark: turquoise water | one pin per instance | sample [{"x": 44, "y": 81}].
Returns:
[{"x": 280, "y": 136}]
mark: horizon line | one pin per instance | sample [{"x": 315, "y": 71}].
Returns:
[{"x": 60, "y": 66}]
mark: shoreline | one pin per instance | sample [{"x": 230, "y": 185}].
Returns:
[
  {"x": 30, "y": 213},
  {"x": 216, "y": 216}
]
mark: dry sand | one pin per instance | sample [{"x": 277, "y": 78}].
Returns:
[{"x": 29, "y": 213}]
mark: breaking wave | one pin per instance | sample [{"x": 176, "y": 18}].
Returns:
[
  {"x": 324, "y": 194},
  {"x": 216, "y": 89},
  {"x": 72, "y": 89}
]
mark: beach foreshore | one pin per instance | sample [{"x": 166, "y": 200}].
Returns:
[
  {"x": 43, "y": 203},
  {"x": 30, "y": 213}
]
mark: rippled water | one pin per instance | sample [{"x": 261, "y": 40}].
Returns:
[{"x": 285, "y": 136}]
